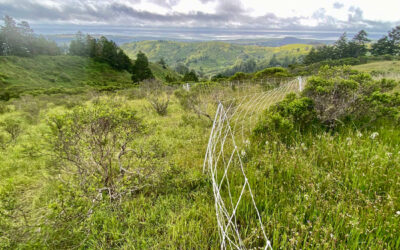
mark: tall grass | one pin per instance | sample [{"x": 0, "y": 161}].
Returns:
[{"x": 330, "y": 190}]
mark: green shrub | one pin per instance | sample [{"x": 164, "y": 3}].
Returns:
[
  {"x": 335, "y": 96},
  {"x": 12, "y": 126},
  {"x": 286, "y": 120},
  {"x": 272, "y": 72},
  {"x": 192, "y": 101},
  {"x": 340, "y": 94},
  {"x": 3, "y": 108},
  {"x": 3, "y": 140},
  {"x": 240, "y": 76},
  {"x": 159, "y": 103},
  {"x": 93, "y": 142}
]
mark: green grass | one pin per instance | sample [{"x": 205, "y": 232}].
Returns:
[
  {"x": 63, "y": 74},
  {"x": 160, "y": 73},
  {"x": 386, "y": 67},
  {"x": 46, "y": 73},
  {"x": 329, "y": 190},
  {"x": 211, "y": 57}
]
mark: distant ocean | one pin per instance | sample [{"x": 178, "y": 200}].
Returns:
[{"x": 63, "y": 33}]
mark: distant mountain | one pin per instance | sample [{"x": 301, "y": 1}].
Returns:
[
  {"x": 210, "y": 58},
  {"x": 277, "y": 42}
]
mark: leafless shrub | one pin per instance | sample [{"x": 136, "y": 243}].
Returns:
[
  {"x": 94, "y": 144},
  {"x": 159, "y": 104}
]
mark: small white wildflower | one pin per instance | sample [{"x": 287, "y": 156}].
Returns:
[
  {"x": 266, "y": 142},
  {"x": 349, "y": 142},
  {"x": 398, "y": 213},
  {"x": 359, "y": 134},
  {"x": 247, "y": 142},
  {"x": 331, "y": 236},
  {"x": 243, "y": 153},
  {"x": 374, "y": 135},
  {"x": 388, "y": 154}
]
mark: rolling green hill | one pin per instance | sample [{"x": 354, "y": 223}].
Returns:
[
  {"x": 385, "y": 67},
  {"x": 160, "y": 73},
  {"x": 62, "y": 74},
  {"x": 211, "y": 57}
]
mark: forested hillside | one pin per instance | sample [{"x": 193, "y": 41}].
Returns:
[{"x": 210, "y": 58}]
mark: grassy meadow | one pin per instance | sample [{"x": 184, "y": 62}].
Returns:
[
  {"x": 329, "y": 188},
  {"x": 63, "y": 74}
]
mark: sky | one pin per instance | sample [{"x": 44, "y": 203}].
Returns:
[{"x": 311, "y": 15}]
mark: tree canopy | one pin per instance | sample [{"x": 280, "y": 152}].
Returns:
[
  {"x": 18, "y": 39},
  {"x": 140, "y": 69},
  {"x": 190, "y": 77},
  {"x": 101, "y": 49},
  {"x": 356, "y": 47}
]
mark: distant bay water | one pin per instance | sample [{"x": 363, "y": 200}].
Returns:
[{"x": 120, "y": 34}]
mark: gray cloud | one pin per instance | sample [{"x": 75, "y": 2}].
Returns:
[
  {"x": 338, "y": 5},
  {"x": 355, "y": 14},
  {"x": 166, "y": 3},
  {"x": 233, "y": 7},
  {"x": 228, "y": 14}
]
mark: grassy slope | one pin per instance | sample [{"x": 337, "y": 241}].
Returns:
[
  {"x": 211, "y": 57},
  {"x": 387, "y": 69},
  {"x": 383, "y": 66},
  {"x": 160, "y": 73},
  {"x": 47, "y": 73}
]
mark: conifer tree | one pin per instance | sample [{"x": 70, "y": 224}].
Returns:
[{"x": 140, "y": 69}]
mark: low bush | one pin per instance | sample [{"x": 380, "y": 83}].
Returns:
[
  {"x": 273, "y": 72},
  {"x": 160, "y": 104},
  {"x": 340, "y": 94},
  {"x": 12, "y": 126},
  {"x": 286, "y": 120},
  {"x": 94, "y": 143},
  {"x": 336, "y": 96}
]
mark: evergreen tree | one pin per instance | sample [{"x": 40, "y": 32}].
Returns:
[
  {"x": 123, "y": 61},
  {"x": 359, "y": 44},
  {"x": 78, "y": 47},
  {"x": 181, "y": 69},
  {"x": 102, "y": 50},
  {"x": 394, "y": 36},
  {"x": 162, "y": 63},
  {"x": 342, "y": 47},
  {"x": 140, "y": 69},
  {"x": 274, "y": 62},
  {"x": 383, "y": 46},
  {"x": 20, "y": 40},
  {"x": 190, "y": 77},
  {"x": 91, "y": 47}
]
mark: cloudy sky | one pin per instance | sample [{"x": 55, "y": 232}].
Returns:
[{"x": 266, "y": 14}]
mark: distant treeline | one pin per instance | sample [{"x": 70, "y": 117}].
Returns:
[
  {"x": 356, "y": 47},
  {"x": 18, "y": 39},
  {"x": 251, "y": 66},
  {"x": 102, "y": 50}
]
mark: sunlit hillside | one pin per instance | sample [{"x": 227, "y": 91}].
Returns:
[{"x": 212, "y": 57}]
